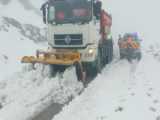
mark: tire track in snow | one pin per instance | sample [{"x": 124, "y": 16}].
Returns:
[
  {"x": 147, "y": 83},
  {"x": 35, "y": 91},
  {"x": 54, "y": 109},
  {"x": 109, "y": 81}
]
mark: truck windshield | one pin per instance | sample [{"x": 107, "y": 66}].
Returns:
[{"x": 70, "y": 11}]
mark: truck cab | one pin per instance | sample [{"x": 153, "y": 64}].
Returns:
[{"x": 72, "y": 24}]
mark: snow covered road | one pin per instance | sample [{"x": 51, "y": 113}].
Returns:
[{"x": 124, "y": 91}]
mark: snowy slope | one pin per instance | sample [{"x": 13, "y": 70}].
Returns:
[
  {"x": 31, "y": 91},
  {"x": 19, "y": 27},
  {"x": 23, "y": 11},
  {"x": 16, "y": 42},
  {"x": 123, "y": 91}
]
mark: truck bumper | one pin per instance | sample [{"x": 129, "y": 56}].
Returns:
[{"x": 58, "y": 58}]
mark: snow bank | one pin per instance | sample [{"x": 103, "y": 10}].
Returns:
[
  {"x": 90, "y": 105},
  {"x": 124, "y": 91},
  {"x": 32, "y": 91},
  {"x": 13, "y": 46}
]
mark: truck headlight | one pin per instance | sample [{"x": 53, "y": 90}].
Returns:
[{"x": 91, "y": 51}]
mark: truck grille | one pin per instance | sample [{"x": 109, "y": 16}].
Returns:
[{"x": 68, "y": 39}]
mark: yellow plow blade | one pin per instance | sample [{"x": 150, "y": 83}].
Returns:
[{"x": 59, "y": 58}]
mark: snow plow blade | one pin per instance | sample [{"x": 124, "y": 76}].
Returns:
[{"x": 59, "y": 58}]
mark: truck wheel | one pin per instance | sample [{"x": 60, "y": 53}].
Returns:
[
  {"x": 95, "y": 67},
  {"x": 79, "y": 71},
  {"x": 98, "y": 66},
  {"x": 122, "y": 56},
  {"x": 53, "y": 70},
  {"x": 110, "y": 55},
  {"x": 111, "y": 47},
  {"x": 110, "y": 51},
  {"x": 130, "y": 57},
  {"x": 139, "y": 56}
]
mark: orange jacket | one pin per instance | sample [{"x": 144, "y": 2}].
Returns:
[{"x": 128, "y": 43}]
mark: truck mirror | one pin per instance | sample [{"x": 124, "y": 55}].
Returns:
[{"x": 51, "y": 14}]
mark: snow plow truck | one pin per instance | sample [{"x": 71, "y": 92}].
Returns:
[
  {"x": 78, "y": 34},
  {"x": 129, "y": 46}
]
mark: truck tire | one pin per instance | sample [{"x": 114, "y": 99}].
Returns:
[
  {"x": 95, "y": 67},
  {"x": 110, "y": 55},
  {"x": 139, "y": 56},
  {"x": 122, "y": 56},
  {"x": 111, "y": 47},
  {"x": 92, "y": 69},
  {"x": 79, "y": 71},
  {"x": 98, "y": 67},
  {"x": 129, "y": 58},
  {"x": 109, "y": 51},
  {"x": 52, "y": 71}
]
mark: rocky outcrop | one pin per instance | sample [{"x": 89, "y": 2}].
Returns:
[{"x": 27, "y": 30}]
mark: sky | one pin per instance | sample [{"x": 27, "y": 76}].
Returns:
[{"x": 135, "y": 16}]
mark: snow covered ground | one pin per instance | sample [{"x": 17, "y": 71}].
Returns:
[
  {"x": 123, "y": 91},
  {"x": 31, "y": 91}
]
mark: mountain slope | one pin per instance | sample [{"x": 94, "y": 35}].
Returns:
[
  {"x": 19, "y": 27},
  {"x": 24, "y": 11}
]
